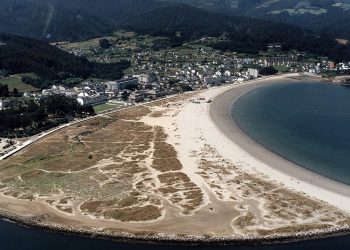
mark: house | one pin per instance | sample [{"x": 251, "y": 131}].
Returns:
[
  {"x": 4, "y": 104},
  {"x": 331, "y": 64},
  {"x": 59, "y": 90},
  {"x": 274, "y": 46},
  {"x": 144, "y": 79},
  {"x": 253, "y": 73},
  {"x": 112, "y": 86},
  {"x": 137, "y": 96},
  {"x": 144, "y": 95}
]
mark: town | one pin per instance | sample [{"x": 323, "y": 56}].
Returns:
[{"x": 158, "y": 70}]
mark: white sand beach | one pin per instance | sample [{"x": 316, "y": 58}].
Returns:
[{"x": 234, "y": 144}]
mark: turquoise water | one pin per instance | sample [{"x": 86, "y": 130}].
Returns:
[{"x": 307, "y": 123}]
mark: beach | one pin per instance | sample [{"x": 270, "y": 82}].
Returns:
[
  {"x": 172, "y": 169},
  {"x": 292, "y": 175}
]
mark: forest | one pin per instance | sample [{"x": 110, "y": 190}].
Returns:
[{"x": 27, "y": 117}]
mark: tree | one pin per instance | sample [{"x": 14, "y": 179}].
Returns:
[
  {"x": 28, "y": 80},
  {"x": 4, "y": 73},
  {"x": 268, "y": 71},
  {"x": 125, "y": 96},
  {"x": 88, "y": 110},
  {"x": 61, "y": 105},
  {"x": 29, "y": 118},
  {"x": 104, "y": 43},
  {"x": 15, "y": 92},
  {"x": 4, "y": 91}
]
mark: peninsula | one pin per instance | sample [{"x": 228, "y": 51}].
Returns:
[{"x": 176, "y": 168}]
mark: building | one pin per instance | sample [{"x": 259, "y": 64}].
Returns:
[
  {"x": 212, "y": 80},
  {"x": 331, "y": 64},
  {"x": 143, "y": 95},
  {"x": 274, "y": 46},
  {"x": 253, "y": 73},
  {"x": 85, "y": 99},
  {"x": 137, "y": 96},
  {"x": 145, "y": 79},
  {"x": 125, "y": 83},
  {"x": 112, "y": 86},
  {"x": 59, "y": 90},
  {"x": 4, "y": 104}
]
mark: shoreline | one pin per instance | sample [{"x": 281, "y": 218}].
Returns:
[
  {"x": 293, "y": 176},
  {"x": 185, "y": 240}
]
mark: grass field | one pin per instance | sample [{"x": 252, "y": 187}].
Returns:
[
  {"x": 106, "y": 106},
  {"x": 282, "y": 69},
  {"x": 15, "y": 81}
]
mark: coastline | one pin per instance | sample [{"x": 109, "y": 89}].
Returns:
[
  {"x": 292, "y": 175},
  {"x": 176, "y": 239},
  {"x": 174, "y": 226}
]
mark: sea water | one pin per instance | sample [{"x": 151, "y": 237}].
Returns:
[{"x": 307, "y": 123}]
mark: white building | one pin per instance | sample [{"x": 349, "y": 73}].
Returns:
[
  {"x": 59, "y": 90},
  {"x": 112, "y": 86},
  {"x": 227, "y": 73},
  {"x": 85, "y": 99},
  {"x": 253, "y": 73},
  {"x": 145, "y": 79},
  {"x": 4, "y": 104},
  {"x": 125, "y": 83}
]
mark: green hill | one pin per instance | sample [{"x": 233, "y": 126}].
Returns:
[
  {"x": 15, "y": 81},
  {"x": 243, "y": 34},
  {"x": 50, "y": 64},
  {"x": 57, "y": 20},
  {"x": 330, "y": 16},
  {"x": 81, "y": 19}
]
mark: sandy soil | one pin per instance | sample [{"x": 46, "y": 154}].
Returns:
[{"x": 165, "y": 168}]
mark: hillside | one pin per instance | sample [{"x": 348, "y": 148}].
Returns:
[
  {"x": 330, "y": 16},
  {"x": 50, "y": 64},
  {"x": 57, "y": 20},
  {"x": 46, "y": 20},
  {"x": 242, "y": 34},
  {"x": 81, "y": 19}
]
